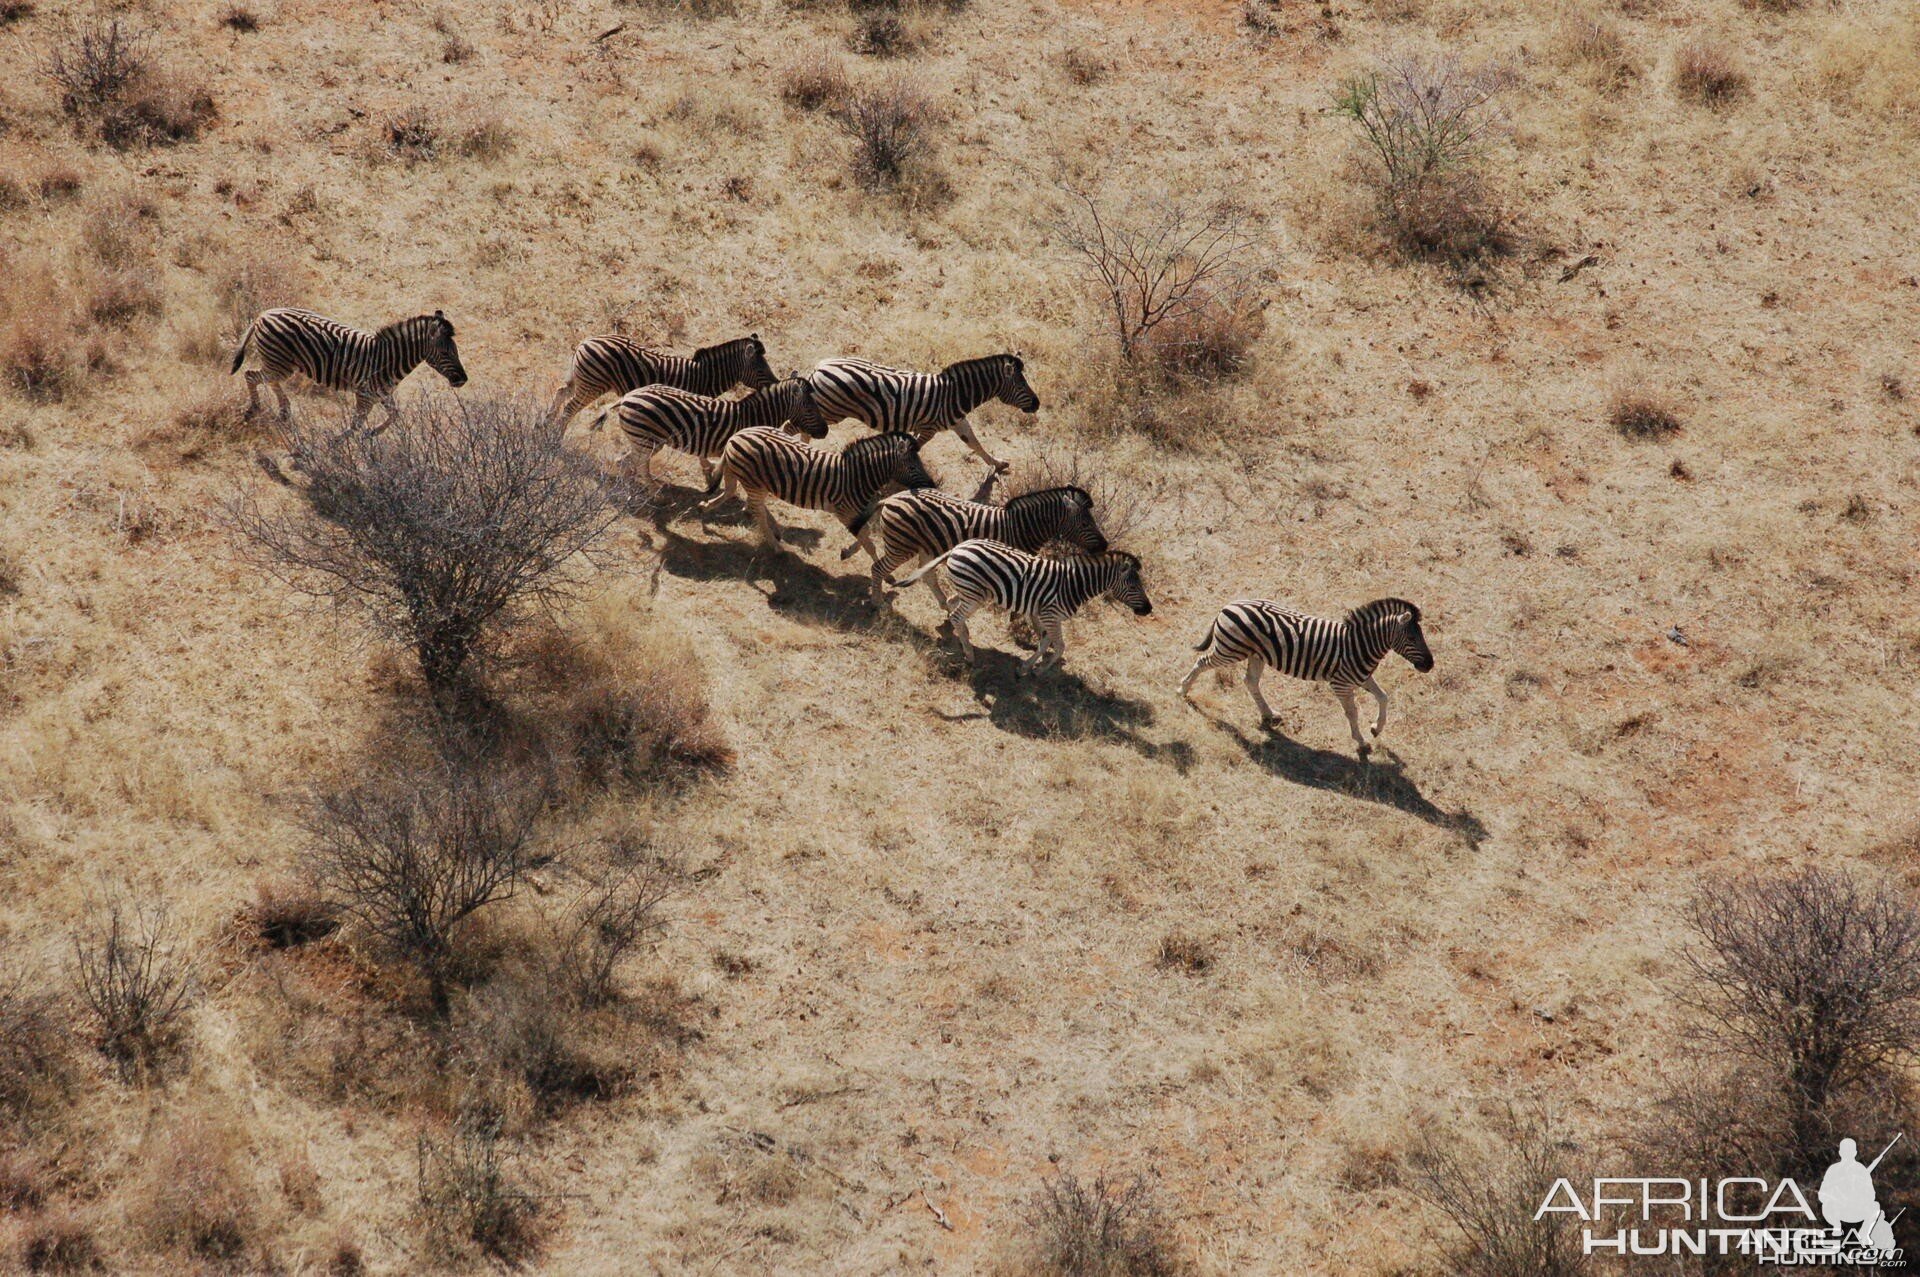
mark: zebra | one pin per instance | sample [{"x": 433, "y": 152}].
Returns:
[
  {"x": 615, "y": 365},
  {"x": 922, "y": 404},
  {"x": 287, "y": 340},
  {"x": 1045, "y": 591},
  {"x": 920, "y": 525},
  {"x": 1342, "y": 652},
  {"x": 656, "y": 417},
  {"x": 764, "y": 462}
]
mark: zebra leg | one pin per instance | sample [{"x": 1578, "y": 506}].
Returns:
[
  {"x": 763, "y": 518},
  {"x": 1380, "y": 720},
  {"x": 1208, "y": 660},
  {"x": 1053, "y": 645},
  {"x": 964, "y": 429},
  {"x": 1353, "y": 718},
  {"x": 392, "y": 410},
  {"x": 957, "y": 622},
  {"x": 728, "y": 488},
  {"x": 563, "y": 406},
  {"x": 253, "y": 392},
  {"x": 708, "y": 469},
  {"x": 1256, "y": 668},
  {"x": 286, "y": 405}
]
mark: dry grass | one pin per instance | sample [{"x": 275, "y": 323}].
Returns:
[
  {"x": 197, "y": 1197},
  {"x": 911, "y": 956},
  {"x": 817, "y": 83}
]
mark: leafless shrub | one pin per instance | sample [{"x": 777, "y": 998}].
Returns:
[
  {"x": 462, "y": 521},
  {"x": 412, "y": 854},
  {"x": 468, "y": 1195},
  {"x": 134, "y": 981},
  {"x": 1180, "y": 951},
  {"x": 1177, "y": 279},
  {"x": 1814, "y": 975},
  {"x": 162, "y": 110},
  {"x": 890, "y": 125},
  {"x": 879, "y": 33},
  {"x": 1490, "y": 1198},
  {"x": 1120, "y": 505},
  {"x": 1641, "y": 414},
  {"x": 1100, "y": 1229},
  {"x": 522, "y": 1035},
  {"x": 35, "y": 1064},
  {"x": 817, "y": 83},
  {"x": 95, "y": 64},
  {"x": 1424, "y": 126},
  {"x": 616, "y": 912},
  {"x": 1706, "y": 74}
]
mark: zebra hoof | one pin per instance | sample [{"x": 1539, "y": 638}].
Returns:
[{"x": 1365, "y": 751}]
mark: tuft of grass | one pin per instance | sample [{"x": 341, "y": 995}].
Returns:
[
  {"x": 197, "y": 1198},
  {"x": 288, "y": 917},
  {"x": 816, "y": 83},
  {"x": 1082, "y": 67},
  {"x": 412, "y": 136},
  {"x": 890, "y": 124},
  {"x": 40, "y": 357},
  {"x": 60, "y": 1244},
  {"x": 1591, "y": 42},
  {"x": 1180, "y": 951},
  {"x": 12, "y": 11},
  {"x": 1706, "y": 74},
  {"x": 241, "y": 19},
  {"x": 36, "y": 1064},
  {"x": 882, "y": 34},
  {"x": 1642, "y": 414}
]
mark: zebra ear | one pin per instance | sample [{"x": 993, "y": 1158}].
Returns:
[{"x": 439, "y": 314}]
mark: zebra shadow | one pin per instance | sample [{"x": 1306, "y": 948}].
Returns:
[
  {"x": 1057, "y": 704},
  {"x": 676, "y": 503},
  {"x": 1381, "y": 781},
  {"x": 792, "y": 585}
]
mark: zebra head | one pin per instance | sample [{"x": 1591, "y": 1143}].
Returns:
[
  {"x": 1402, "y": 632},
  {"x": 1124, "y": 585},
  {"x": 802, "y": 412},
  {"x": 889, "y": 458},
  {"x": 1064, "y": 514},
  {"x": 1014, "y": 390},
  {"x": 742, "y": 361},
  {"x": 440, "y": 353}
]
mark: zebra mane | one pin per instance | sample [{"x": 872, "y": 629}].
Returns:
[
  {"x": 880, "y": 445},
  {"x": 401, "y": 325},
  {"x": 1381, "y": 606},
  {"x": 1040, "y": 495},
  {"x": 722, "y": 349},
  {"x": 1125, "y": 556},
  {"x": 981, "y": 362}
]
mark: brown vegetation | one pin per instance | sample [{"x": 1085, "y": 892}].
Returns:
[
  {"x": 1707, "y": 74},
  {"x": 1098, "y": 1229}
]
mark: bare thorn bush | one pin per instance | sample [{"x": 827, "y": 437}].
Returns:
[
  {"x": 135, "y": 982},
  {"x": 1707, "y": 75},
  {"x": 1424, "y": 126},
  {"x": 111, "y": 89},
  {"x": 464, "y": 520},
  {"x": 616, "y": 912},
  {"x": 412, "y": 854},
  {"x": 1178, "y": 279},
  {"x": 469, "y": 1196},
  {"x": 1814, "y": 975},
  {"x": 890, "y": 124},
  {"x": 1490, "y": 1197},
  {"x": 1102, "y": 1229}
]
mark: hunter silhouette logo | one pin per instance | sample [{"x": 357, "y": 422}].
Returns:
[
  {"x": 1771, "y": 1221},
  {"x": 1847, "y": 1200}
]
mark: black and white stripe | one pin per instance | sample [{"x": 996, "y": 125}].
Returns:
[
  {"x": 1342, "y": 652},
  {"x": 922, "y": 404},
  {"x": 1044, "y": 591},
  {"x": 764, "y": 462},
  {"x": 927, "y": 523},
  {"x": 288, "y": 340},
  {"x": 656, "y": 417},
  {"x": 615, "y": 365}
]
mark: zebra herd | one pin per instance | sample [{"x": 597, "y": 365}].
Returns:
[{"x": 1040, "y": 556}]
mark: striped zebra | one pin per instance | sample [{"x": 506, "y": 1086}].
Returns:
[
  {"x": 1341, "y": 652},
  {"x": 922, "y": 404},
  {"x": 1044, "y": 591},
  {"x": 656, "y": 417},
  {"x": 615, "y": 365},
  {"x": 764, "y": 462},
  {"x": 923, "y": 524},
  {"x": 287, "y": 340}
]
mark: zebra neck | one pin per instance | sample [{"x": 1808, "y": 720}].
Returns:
[
  {"x": 1026, "y": 530},
  {"x": 765, "y": 408},
  {"x": 712, "y": 376},
  {"x": 400, "y": 346},
  {"x": 969, "y": 385},
  {"x": 1371, "y": 645},
  {"x": 1082, "y": 581}
]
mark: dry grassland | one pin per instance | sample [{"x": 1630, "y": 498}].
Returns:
[{"x": 939, "y": 934}]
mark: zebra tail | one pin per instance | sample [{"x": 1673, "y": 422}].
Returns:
[
  {"x": 929, "y": 566},
  {"x": 1206, "y": 640},
  {"x": 860, "y": 521},
  {"x": 601, "y": 420},
  {"x": 240, "y": 355}
]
